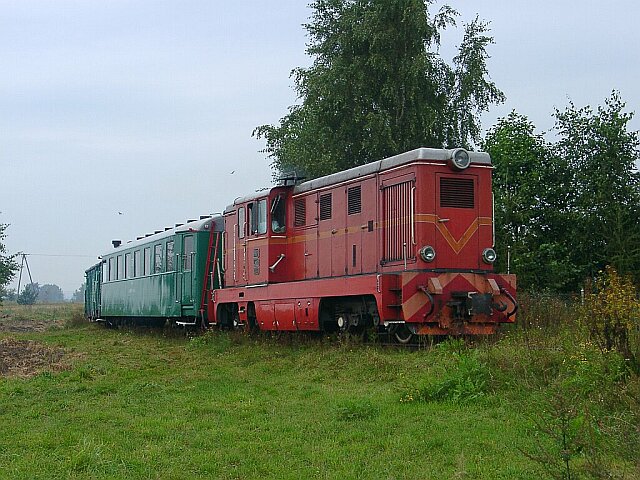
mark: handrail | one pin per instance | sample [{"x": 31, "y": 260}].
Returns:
[{"x": 516, "y": 306}]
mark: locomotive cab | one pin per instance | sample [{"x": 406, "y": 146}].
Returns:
[{"x": 256, "y": 253}]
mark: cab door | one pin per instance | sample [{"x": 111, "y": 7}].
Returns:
[{"x": 256, "y": 253}]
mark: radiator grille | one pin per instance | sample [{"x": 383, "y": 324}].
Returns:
[
  {"x": 398, "y": 221},
  {"x": 457, "y": 193}
]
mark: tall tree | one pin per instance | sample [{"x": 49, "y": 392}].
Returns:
[
  {"x": 8, "y": 265},
  {"x": 378, "y": 86},
  {"x": 601, "y": 153},
  {"x": 531, "y": 210}
]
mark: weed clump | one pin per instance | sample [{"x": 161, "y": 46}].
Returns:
[
  {"x": 76, "y": 320},
  {"x": 351, "y": 410},
  {"x": 466, "y": 380}
]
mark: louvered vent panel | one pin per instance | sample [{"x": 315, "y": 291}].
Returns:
[
  {"x": 325, "y": 206},
  {"x": 398, "y": 222},
  {"x": 457, "y": 193},
  {"x": 300, "y": 210},
  {"x": 354, "y": 200}
]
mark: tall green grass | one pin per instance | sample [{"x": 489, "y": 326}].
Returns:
[{"x": 161, "y": 404}]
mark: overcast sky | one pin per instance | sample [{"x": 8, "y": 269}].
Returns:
[{"x": 146, "y": 107}]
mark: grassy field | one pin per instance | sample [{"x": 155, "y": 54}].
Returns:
[{"x": 100, "y": 403}]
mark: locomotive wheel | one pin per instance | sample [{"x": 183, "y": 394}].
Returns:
[{"x": 403, "y": 335}]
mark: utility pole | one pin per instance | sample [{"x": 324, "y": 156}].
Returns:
[{"x": 22, "y": 264}]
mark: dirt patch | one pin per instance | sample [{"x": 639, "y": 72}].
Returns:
[
  {"x": 25, "y": 358},
  {"x": 9, "y": 323}
]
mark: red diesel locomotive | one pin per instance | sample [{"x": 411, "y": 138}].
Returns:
[{"x": 404, "y": 244}]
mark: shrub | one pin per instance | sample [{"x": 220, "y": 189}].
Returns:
[{"x": 612, "y": 312}]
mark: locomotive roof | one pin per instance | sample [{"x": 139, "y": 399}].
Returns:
[
  {"x": 195, "y": 226},
  {"x": 437, "y": 154}
]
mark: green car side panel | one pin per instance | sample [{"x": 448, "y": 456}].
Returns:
[{"x": 160, "y": 294}]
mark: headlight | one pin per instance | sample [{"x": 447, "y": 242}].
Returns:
[
  {"x": 428, "y": 254},
  {"x": 489, "y": 255},
  {"x": 460, "y": 159}
]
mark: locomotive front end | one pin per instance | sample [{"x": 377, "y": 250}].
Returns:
[{"x": 449, "y": 287}]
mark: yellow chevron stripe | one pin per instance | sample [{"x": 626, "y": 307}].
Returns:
[{"x": 456, "y": 245}]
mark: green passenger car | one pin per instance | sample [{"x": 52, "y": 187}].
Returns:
[{"x": 168, "y": 275}]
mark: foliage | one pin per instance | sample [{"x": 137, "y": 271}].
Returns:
[
  {"x": 8, "y": 265},
  {"x": 530, "y": 210},
  {"x": 378, "y": 86},
  {"x": 50, "y": 293},
  {"x": 566, "y": 209},
  {"x": 601, "y": 153},
  {"x": 78, "y": 295},
  {"x": 612, "y": 312},
  {"x": 29, "y": 295},
  {"x": 562, "y": 423},
  {"x": 582, "y": 400}
]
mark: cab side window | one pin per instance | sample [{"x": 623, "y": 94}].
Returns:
[
  {"x": 262, "y": 216},
  {"x": 278, "y": 214},
  {"x": 257, "y": 217},
  {"x": 242, "y": 222},
  {"x": 253, "y": 218}
]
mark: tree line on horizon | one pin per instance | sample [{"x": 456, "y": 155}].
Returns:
[{"x": 33, "y": 293}]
